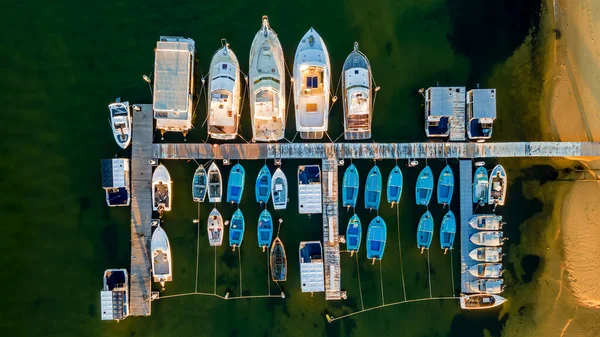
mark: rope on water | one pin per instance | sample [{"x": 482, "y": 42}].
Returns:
[
  {"x": 400, "y": 250},
  {"x": 268, "y": 278},
  {"x": 215, "y": 284},
  {"x": 362, "y": 304},
  {"x": 197, "y": 250},
  {"x": 452, "y": 269},
  {"x": 429, "y": 272},
  {"x": 381, "y": 281},
  {"x": 240, "y": 264}
]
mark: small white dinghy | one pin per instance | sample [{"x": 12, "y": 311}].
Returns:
[
  {"x": 215, "y": 183},
  {"x": 488, "y": 270},
  {"x": 491, "y": 286},
  {"x": 488, "y": 222},
  {"x": 162, "y": 189},
  {"x": 488, "y": 238},
  {"x": 279, "y": 188},
  {"x": 120, "y": 122},
  {"x": 486, "y": 254},
  {"x": 215, "y": 228},
  {"x": 497, "y": 186},
  {"x": 162, "y": 268},
  {"x": 480, "y": 301}
]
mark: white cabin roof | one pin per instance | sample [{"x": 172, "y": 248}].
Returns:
[
  {"x": 309, "y": 190},
  {"x": 312, "y": 275},
  {"x": 484, "y": 103},
  {"x": 441, "y": 100},
  {"x": 115, "y": 173}
]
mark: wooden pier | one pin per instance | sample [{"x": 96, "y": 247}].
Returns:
[
  {"x": 331, "y": 244},
  {"x": 458, "y": 130},
  {"x": 466, "y": 211},
  {"x": 141, "y": 211},
  {"x": 429, "y": 150}
]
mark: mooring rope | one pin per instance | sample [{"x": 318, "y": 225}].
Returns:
[
  {"x": 197, "y": 250},
  {"x": 240, "y": 264},
  {"x": 429, "y": 272},
  {"x": 452, "y": 269},
  {"x": 215, "y": 284},
  {"x": 362, "y": 304},
  {"x": 381, "y": 281},
  {"x": 400, "y": 250}
]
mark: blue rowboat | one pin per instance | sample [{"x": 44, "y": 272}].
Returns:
[
  {"x": 445, "y": 186},
  {"x": 394, "y": 186},
  {"x": 199, "y": 184},
  {"x": 265, "y": 230},
  {"x": 235, "y": 184},
  {"x": 424, "y": 186},
  {"x": 263, "y": 185},
  {"x": 480, "y": 186},
  {"x": 448, "y": 231},
  {"x": 373, "y": 189},
  {"x": 236, "y": 229},
  {"x": 353, "y": 234},
  {"x": 425, "y": 231},
  {"x": 350, "y": 187},
  {"x": 376, "y": 237}
]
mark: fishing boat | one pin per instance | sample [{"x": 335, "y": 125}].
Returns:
[
  {"x": 394, "y": 186},
  {"x": 235, "y": 184},
  {"x": 224, "y": 85},
  {"x": 262, "y": 189},
  {"x": 114, "y": 297},
  {"x": 425, "y": 231},
  {"x": 488, "y": 222},
  {"x": 487, "y": 238},
  {"x": 480, "y": 186},
  {"x": 120, "y": 122},
  {"x": 490, "y": 286},
  {"x": 236, "y": 229},
  {"x": 162, "y": 268},
  {"x": 489, "y": 270},
  {"x": 424, "y": 187},
  {"x": 350, "y": 187},
  {"x": 278, "y": 261},
  {"x": 357, "y": 84},
  {"x": 265, "y": 230},
  {"x": 480, "y": 301},
  {"x": 448, "y": 231},
  {"x": 162, "y": 190},
  {"x": 486, "y": 254},
  {"x": 312, "y": 81},
  {"x": 445, "y": 186},
  {"x": 376, "y": 238},
  {"x": 267, "y": 85},
  {"x": 215, "y": 183},
  {"x": 497, "y": 186},
  {"x": 353, "y": 234},
  {"x": 215, "y": 228},
  {"x": 199, "y": 184},
  {"x": 280, "y": 189},
  {"x": 373, "y": 189}
]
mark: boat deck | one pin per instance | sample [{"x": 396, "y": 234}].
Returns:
[
  {"x": 466, "y": 211},
  {"x": 331, "y": 244},
  {"x": 141, "y": 212}
]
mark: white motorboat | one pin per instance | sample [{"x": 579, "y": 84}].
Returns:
[
  {"x": 162, "y": 268},
  {"x": 486, "y": 254},
  {"x": 489, "y": 286},
  {"x": 215, "y": 183},
  {"x": 488, "y": 238},
  {"x": 488, "y": 270},
  {"x": 224, "y": 85},
  {"x": 312, "y": 86},
  {"x": 480, "y": 301},
  {"x": 120, "y": 122},
  {"x": 215, "y": 228},
  {"x": 162, "y": 189},
  {"x": 279, "y": 191},
  {"x": 486, "y": 222},
  {"x": 267, "y": 85},
  {"x": 357, "y": 87},
  {"x": 497, "y": 186}
]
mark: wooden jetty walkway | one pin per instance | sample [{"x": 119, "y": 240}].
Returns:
[
  {"x": 331, "y": 244},
  {"x": 141, "y": 211},
  {"x": 466, "y": 211}
]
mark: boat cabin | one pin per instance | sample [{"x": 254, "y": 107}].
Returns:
[
  {"x": 174, "y": 84},
  {"x": 481, "y": 113},
  {"x": 114, "y": 297},
  {"x": 312, "y": 98},
  {"x": 440, "y": 103},
  {"x": 115, "y": 181},
  {"x": 309, "y": 189},
  {"x": 312, "y": 275}
]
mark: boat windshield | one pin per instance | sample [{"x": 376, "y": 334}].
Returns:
[
  {"x": 266, "y": 104},
  {"x": 312, "y": 81}
]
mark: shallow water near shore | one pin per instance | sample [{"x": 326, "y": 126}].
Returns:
[{"x": 67, "y": 61}]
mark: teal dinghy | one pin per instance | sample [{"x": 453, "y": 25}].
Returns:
[
  {"x": 445, "y": 186},
  {"x": 425, "y": 231},
  {"x": 448, "y": 231},
  {"x": 199, "y": 184},
  {"x": 424, "y": 187},
  {"x": 236, "y": 229},
  {"x": 350, "y": 187},
  {"x": 235, "y": 184},
  {"x": 263, "y": 185},
  {"x": 373, "y": 189},
  {"x": 265, "y": 230},
  {"x": 376, "y": 238},
  {"x": 394, "y": 186},
  {"x": 480, "y": 186},
  {"x": 353, "y": 234}
]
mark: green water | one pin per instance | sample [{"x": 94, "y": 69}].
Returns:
[{"x": 64, "y": 61}]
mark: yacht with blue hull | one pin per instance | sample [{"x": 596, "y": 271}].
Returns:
[
  {"x": 445, "y": 186},
  {"x": 235, "y": 184},
  {"x": 236, "y": 229},
  {"x": 350, "y": 187},
  {"x": 265, "y": 230},
  {"x": 373, "y": 189},
  {"x": 376, "y": 239},
  {"x": 425, "y": 231},
  {"x": 424, "y": 187},
  {"x": 448, "y": 231},
  {"x": 199, "y": 184},
  {"x": 263, "y": 185},
  {"x": 353, "y": 235},
  {"x": 394, "y": 186},
  {"x": 480, "y": 186}
]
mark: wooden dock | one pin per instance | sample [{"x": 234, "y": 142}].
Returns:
[
  {"x": 457, "y": 121},
  {"x": 331, "y": 244},
  {"x": 141, "y": 211},
  {"x": 429, "y": 150},
  {"x": 466, "y": 211}
]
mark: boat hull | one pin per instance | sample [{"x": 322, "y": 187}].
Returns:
[
  {"x": 487, "y": 238},
  {"x": 224, "y": 80},
  {"x": 214, "y": 227},
  {"x": 262, "y": 189},
  {"x": 350, "y": 187},
  {"x": 376, "y": 239},
  {"x": 120, "y": 122},
  {"x": 480, "y": 301},
  {"x": 373, "y": 189},
  {"x": 278, "y": 261},
  {"x": 353, "y": 234},
  {"x": 424, "y": 187},
  {"x": 265, "y": 230},
  {"x": 497, "y": 186},
  {"x": 279, "y": 191},
  {"x": 235, "y": 184},
  {"x": 215, "y": 183},
  {"x": 236, "y": 229},
  {"x": 394, "y": 186},
  {"x": 357, "y": 86},
  {"x": 480, "y": 186},
  {"x": 162, "y": 267},
  {"x": 162, "y": 189},
  {"x": 448, "y": 231},
  {"x": 486, "y": 222},
  {"x": 425, "y": 231},
  {"x": 445, "y": 187},
  {"x": 199, "y": 184},
  {"x": 486, "y": 254}
]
